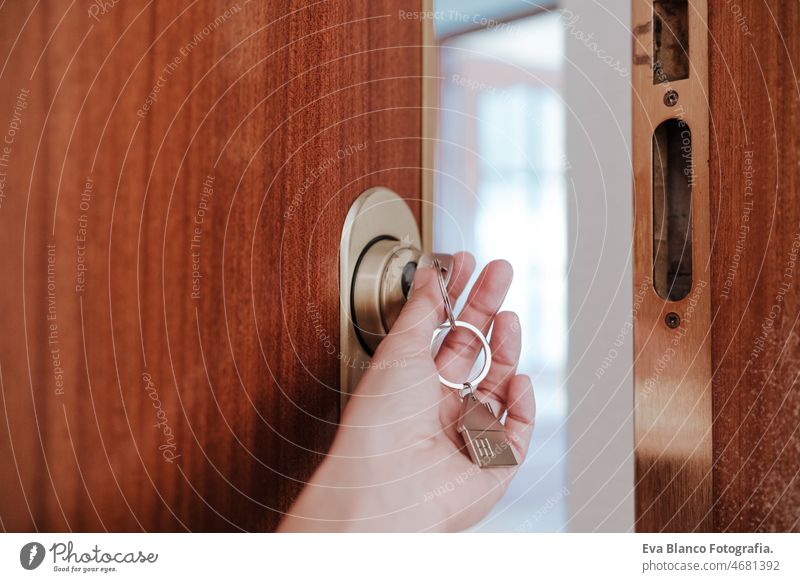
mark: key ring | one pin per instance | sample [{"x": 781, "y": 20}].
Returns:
[
  {"x": 487, "y": 360},
  {"x": 452, "y": 324}
]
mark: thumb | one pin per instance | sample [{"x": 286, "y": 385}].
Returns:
[
  {"x": 420, "y": 316},
  {"x": 409, "y": 339}
]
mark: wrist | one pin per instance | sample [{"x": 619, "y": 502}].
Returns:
[{"x": 330, "y": 502}]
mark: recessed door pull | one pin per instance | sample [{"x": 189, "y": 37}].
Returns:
[{"x": 379, "y": 254}]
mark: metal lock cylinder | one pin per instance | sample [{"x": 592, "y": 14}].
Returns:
[{"x": 381, "y": 283}]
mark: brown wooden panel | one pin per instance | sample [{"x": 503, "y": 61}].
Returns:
[
  {"x": 755, "y": 179},
  {"x": 265, "y": 119}
]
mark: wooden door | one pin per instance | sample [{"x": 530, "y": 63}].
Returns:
[
  {"x": 174, "y": 182},
  {"x": 754, "y": 102},
  {"x": 737, "y": 465}
]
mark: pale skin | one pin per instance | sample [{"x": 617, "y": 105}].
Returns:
[{"x": 397, "y": 462}]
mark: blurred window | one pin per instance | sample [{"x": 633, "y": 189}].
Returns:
[{"x": 501, "y": 193}]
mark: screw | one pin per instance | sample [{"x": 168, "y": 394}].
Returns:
[
  {"x": 671, "y": 98},
  {"x": 672, "y": 320}
]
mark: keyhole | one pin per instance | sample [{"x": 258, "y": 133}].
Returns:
[{"x": 407, "y": 277}]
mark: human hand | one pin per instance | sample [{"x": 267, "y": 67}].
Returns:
[{"x": 397, "y": 462}]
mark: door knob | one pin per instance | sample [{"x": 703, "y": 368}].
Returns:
[
  {"x": 379, "y": 253},
  {"x": 381, "y": 282}
]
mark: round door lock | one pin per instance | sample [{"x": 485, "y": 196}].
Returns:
[{"x": 381, "y": 283}]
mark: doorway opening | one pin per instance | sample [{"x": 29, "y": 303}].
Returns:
[{"x": 501, "y": 192}]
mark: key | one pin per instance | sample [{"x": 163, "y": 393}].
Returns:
[{"x": 484, "y": 435}]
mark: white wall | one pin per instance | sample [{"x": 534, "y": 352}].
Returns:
[{"x": 598, "y": 95}]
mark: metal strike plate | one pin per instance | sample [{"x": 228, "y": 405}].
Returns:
[{"x": 672, "y": 266}]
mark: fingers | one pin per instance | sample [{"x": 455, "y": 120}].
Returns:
[
  {"x": 506, "y": 344},
  {"x": 460, "y": 347},
  {"x": 463, "y": 265},
  {"x": 521, "y": 413}
]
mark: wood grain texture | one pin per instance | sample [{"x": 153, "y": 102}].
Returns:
[
  {"x": 755, "y": 178},
  {"x": 188, "y": 403}
]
